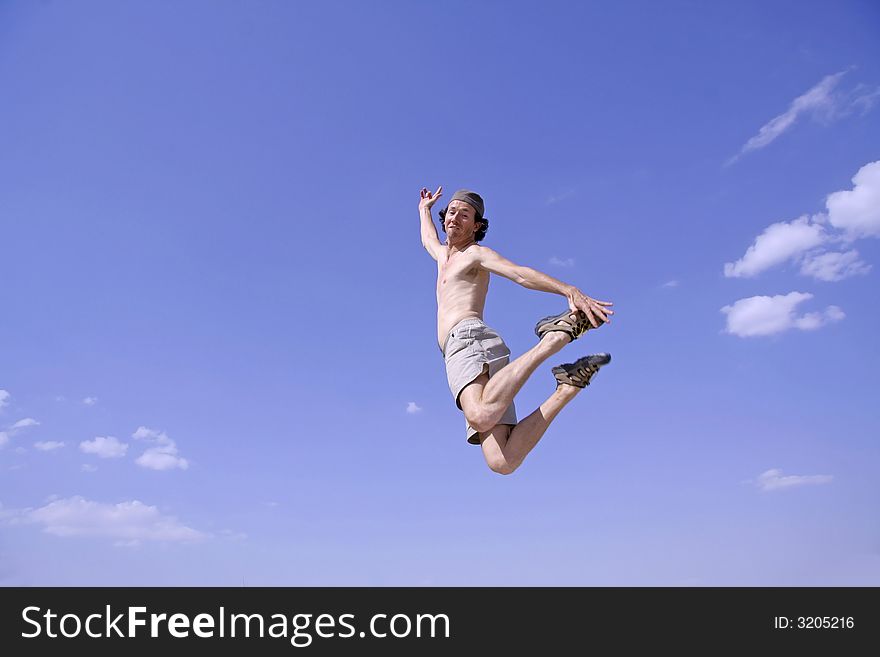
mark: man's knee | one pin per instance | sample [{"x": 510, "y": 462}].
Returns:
[
  {"x": 480, "y": 419},
  {"x": 500, "y": 465}
]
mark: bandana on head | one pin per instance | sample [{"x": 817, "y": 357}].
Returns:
[{"x": 471, "y": 198}]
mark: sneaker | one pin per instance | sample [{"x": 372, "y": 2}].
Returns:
[
  {"x": 573, "y": 324},
  {"x": 581, "y": 371}
]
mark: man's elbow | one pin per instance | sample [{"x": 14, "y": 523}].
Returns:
[{"x": 431, "y": 248}]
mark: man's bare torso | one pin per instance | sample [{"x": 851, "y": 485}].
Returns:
[{"x": 461, "y": 289}]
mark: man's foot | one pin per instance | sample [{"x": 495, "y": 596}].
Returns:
[
  {"x": 573, "y": 324},
  {"x": 581, "y": 371}
]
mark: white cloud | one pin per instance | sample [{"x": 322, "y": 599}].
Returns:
[
  {"x": 22, "y": 424},
  {"x": 817, "y": 101},
  {"x": 814, "y": 320},
  {"x": 4, "y": 438},
  {"x": 562, "y": 262},
  {"x": 671, "y": 284},
  {"x": 88, "y": 467},
  {"x": 413, "y": 408},
  {"x": 857, "y": 211},
  {"x": 232, "y": 535},
  {"x": 48, "y": 446},
  {"x": 833, "y": 265},
  {"x": 126, "y": 521},
  {"x": 851, "y": 214},
  {"x": 4, "y": 399},
  {"x": 555, "y": 198},
  {"x": 762, "y": 315},
  {"x": 90, "y": 401},
  {"x": 144, "y": 433},
  {"x": 865, "y": 100},
  {"x": 163, "y": 456},
  {"x": 105, "y": 447},
  {"x": 774, "y": 480},
  {"x": 779, "y": 242}
]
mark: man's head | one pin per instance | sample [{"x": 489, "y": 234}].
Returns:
[{"x": 464, "y": 216}]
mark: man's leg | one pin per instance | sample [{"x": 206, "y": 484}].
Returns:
[
  {"x": 485, "y": 400},
  {"x": 505, "y": 449}
]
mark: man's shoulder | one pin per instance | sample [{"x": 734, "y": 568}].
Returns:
[{"x": 482, "y": 252}]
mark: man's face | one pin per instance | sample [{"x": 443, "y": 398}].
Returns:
[{"x": 460, "y": 221}]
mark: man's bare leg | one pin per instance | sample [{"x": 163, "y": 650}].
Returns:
[
  {"x": 505, "y": 449},
  {"x": 485, "y": 400}
]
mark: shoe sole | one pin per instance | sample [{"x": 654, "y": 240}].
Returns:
[
  {"x": 552, "y": 319},
  {"x": 595, "y": 360}
]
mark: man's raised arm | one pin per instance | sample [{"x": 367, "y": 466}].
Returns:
[
  {"x": 430, "y": 240},
  {"x": 597, "y": 312}
]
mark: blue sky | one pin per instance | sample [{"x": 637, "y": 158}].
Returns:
[{"x": 219, "y": 363}]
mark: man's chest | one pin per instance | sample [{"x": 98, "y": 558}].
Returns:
[{"x": 458, "y": 270}]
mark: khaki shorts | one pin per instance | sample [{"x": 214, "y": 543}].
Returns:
[{"x": 472, "y": 348}]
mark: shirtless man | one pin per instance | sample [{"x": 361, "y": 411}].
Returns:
[{"x": 481, "y": 378}]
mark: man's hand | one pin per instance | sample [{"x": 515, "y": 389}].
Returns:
[
  {"x": 429, "y": 199},
  {"x": 597, "y": 312}
]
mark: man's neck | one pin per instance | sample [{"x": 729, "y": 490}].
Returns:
[{"x": 458, "y": 246}]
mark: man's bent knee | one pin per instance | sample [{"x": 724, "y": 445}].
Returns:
[
  {"x": 501, "y": 466},
  {"x": 480, "y": 422},
  {"x": 482, "y": 419}
]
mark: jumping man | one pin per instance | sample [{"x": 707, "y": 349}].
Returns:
[{"x": 481, "y": 378}]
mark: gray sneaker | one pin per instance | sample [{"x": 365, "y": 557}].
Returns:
[
  {"x": 573, "y": 324},
  {"x": 581, "y": 371}
]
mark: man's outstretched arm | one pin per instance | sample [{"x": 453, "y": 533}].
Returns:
[
  {"x": 598, "y": 312},
  {"x": 430, "y": 240}
]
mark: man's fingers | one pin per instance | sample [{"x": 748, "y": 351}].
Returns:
[
  {"x": 439, "y": 191},
  {"x": 589, "y": 313}
]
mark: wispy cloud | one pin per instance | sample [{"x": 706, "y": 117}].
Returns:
[
  {"x": 671, "y": 284},
  {"x": 821, "y": 102},
  {"x": 864, "y": 98},
  {"x": 23, "y": 424},
  {"x": 851, "y": 214},
  {"x": 88, "y": 467},
  {"x": 48, "y": 445},
  {"x": 762, "y": 315},
  {"x": 4, "y": 399},
  {"x": 774, "y": 480},
  {"x": 106, "y": 447},
  {"x": 562, "y": 262},
  {"x": 130, "y": 521},
  {"x": 163, "y": 455},
  {"x": 555, "y": 198},
  {"x": 834, "y": 265},
  {"x": 90, "y": 401},
  {"x": 413, "y": 408},
  {"x": 232, "y": 535},
  {"x": 16, "y": 428}
]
